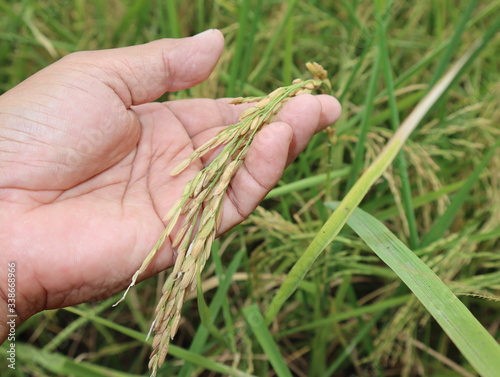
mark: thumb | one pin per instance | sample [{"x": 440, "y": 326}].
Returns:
[{"x": 140, "y": 74}]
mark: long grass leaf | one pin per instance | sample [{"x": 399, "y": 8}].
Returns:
[
  {"x": 173, "y": 18},
  {"x": 248, "y": 58},
  {"x": 173, "y": 350},
  {"x": 306, "y": 183},
  {"x": 366, "y": 309},
  {"x": 359, "y": 150},
  {"x": 264, "y": 63},
  {"x": 400, "y": 160},
  {"x": 200, "y": 15},
  {"x": 354, "y": 71},
  {"x": 258, "y": 326},
  {"x": 204, "y": 311},
  {"x": 246, "y": 88},
  {"x": 480, "y": 44},
  {"x": 453, "y": 44},
  {"x": 38, "y": 35},
  {"x": 226, "y": 306},
  {"x": 288, "y": 51},
  {"x": 471, "y": 338},
  {"x": 346, "y": 352},
  {"x": 240, "y": 46},
  {"x": 76, "y": 324},
  {"x": 418, "y": 201},
  {"x": 63, "y": 365}
]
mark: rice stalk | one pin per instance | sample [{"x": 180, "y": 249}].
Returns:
[{"x": 200, "y": 206}]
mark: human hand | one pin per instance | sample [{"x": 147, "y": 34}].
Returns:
[{"x": 85, "y": 160}]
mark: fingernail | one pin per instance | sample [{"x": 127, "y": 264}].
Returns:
[{"x": 206, "y": 32}]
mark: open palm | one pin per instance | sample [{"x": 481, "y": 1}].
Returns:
[{"x": 85, "y": 160}]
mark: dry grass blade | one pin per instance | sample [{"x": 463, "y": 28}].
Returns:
[{"x": 200, "y": 204}]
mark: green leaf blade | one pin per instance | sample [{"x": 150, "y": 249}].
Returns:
[
  {"x": 256, "y": 322},
  {"x": 470, "y": 337}
]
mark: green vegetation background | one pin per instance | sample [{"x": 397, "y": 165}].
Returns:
[{"x": 351, "y": 315}]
